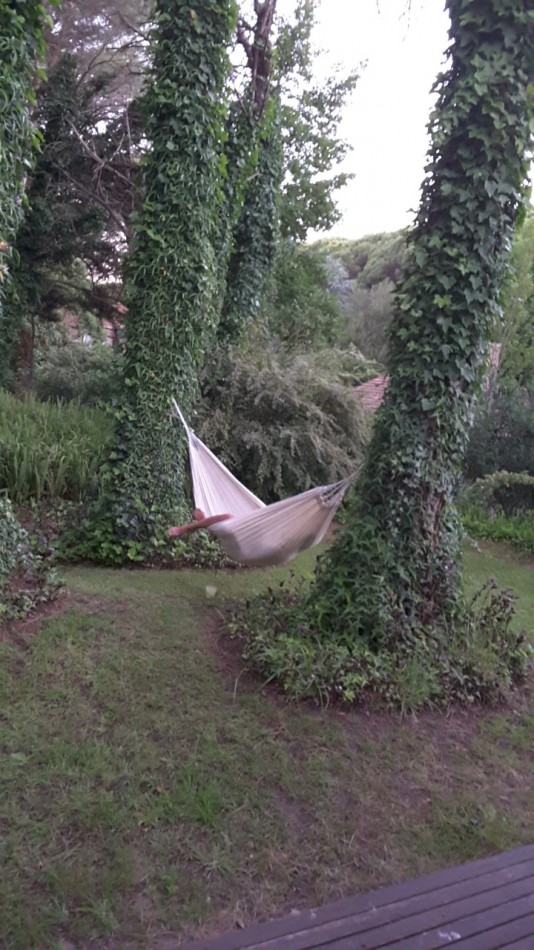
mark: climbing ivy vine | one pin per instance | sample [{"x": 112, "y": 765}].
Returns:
[
  {"x": 385, "y": 613},
  {"x": 172, "y": 278},
  {"x": 397, "y": 565},
  {"x": 21, "y": 47},
  {"x": 256, "y": 234},
  {"x": 254, "y": 157},
  {"x": 25, "y": 578}
]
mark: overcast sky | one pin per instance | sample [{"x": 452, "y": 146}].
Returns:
[{"x": 403, "y": 45}]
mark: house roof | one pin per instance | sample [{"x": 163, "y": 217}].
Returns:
[{"x": 371, "y": 394}]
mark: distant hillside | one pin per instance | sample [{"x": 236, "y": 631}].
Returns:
[{"x": 363, "y": 276}]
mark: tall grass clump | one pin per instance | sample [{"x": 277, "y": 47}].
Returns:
[{"x": 51, "y": 451}]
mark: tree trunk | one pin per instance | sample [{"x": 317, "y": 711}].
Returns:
[
  {"x": 395, "y": 570},
  {"x": 172, "y": 280},
  {"x": 254, "y": 152},
  {"x": 21, "y": 40}
]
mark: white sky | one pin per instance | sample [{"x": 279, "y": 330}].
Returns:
[{"x": 403, "y": 45}]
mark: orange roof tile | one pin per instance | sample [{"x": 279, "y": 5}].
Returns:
[{"x": 371, "y": 393}]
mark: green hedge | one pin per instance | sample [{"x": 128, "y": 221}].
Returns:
[
  {"x": 502, "y": 493},
  {"x": 500, "y": 507},
  {"x": 89, "y": 375}
]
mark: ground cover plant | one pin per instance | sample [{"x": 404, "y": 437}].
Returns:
[
  {"x": 153, "y": 788},
  {"x": 27, "y": 578}
]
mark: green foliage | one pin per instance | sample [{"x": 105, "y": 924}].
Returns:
[
  {"x": 481, "y": 664},
  {"x": 395, "y": 571},
  {"x": 26, "y": 578},
  {"x": 21, "y": 44},
  {"x": 51, "y": 451},
  {"x": 514, "y": 529},
  {"x": 283, "y": 424},
  {"x": 87, "y": 374},
  {"x": 500, "y": 507},
  {"x": 517, "y": 364},
  {"x": 88, "y": 535},
  {"x": 502, "y": 435},
  {"x": 370, "y": 312},
  {"x": 502, "y": 492},
  {"x": 371, "y": 267},
  {"x": 310, "y": 116},
  {"x": 371, "y": 259},
  {"x": 66, "y": 221},
  {"x": 255, "y": 240},
  {"x": 346, "y": 365},
  {"x": 172, "y": 275},
  {"x": 303, "y": 312}
]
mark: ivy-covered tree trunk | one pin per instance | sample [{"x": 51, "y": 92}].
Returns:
[
  {"x": 25, "y": 579},
  {"x": 256, "y": 235},
  {"x": 21, "y": 42},
  {"x": 395, "y": 569},
  {"x": 171, "y": 276},
  {"x": 254, "y": 153}
]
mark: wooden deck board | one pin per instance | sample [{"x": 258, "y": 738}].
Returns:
[{"x": 483, "y": 905}]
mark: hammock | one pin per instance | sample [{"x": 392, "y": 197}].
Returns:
[{"x": 258, "y": 534}]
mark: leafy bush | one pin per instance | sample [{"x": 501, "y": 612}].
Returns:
[
  {"x": 283, "y": 424},
  {"x": 502, "y": 435},
  {"x": 500, "y": 507},
  {"x": 302, "y": 309},
  {"x": 481, "y": 659},
  {"x": 87, "y": 374},
  {"x": 87, "y": 535},
  {"x": 346, "y": 365},
  {"x": 26, "y": 578},
  {"x": 507, "y": 493},
  {"x": 50, "y": 451}
]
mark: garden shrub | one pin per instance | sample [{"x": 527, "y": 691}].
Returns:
[
  {"x": 481, "y": 659},
  {"x": 502, "y": 435},
  {"x": 282, "y": 423},
  {"x": 26, "y": 577},
  {"x": 87, "y": 374},
  {"x": 51, "y": 451},
  {"x": 500, "y": 507},
  {"x": 507, "y": 493},
  {"x": 303, "y": 311}
]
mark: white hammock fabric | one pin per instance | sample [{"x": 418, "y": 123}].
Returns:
[{"x": 258, "y": 534}]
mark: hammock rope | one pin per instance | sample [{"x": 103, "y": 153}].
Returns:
[{"x": 258, "y": 534}]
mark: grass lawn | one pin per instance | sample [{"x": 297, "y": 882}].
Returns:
[{"x": 149, "y": 789}]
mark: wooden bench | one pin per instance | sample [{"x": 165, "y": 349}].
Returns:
[{"x": 484, "y": 905}]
